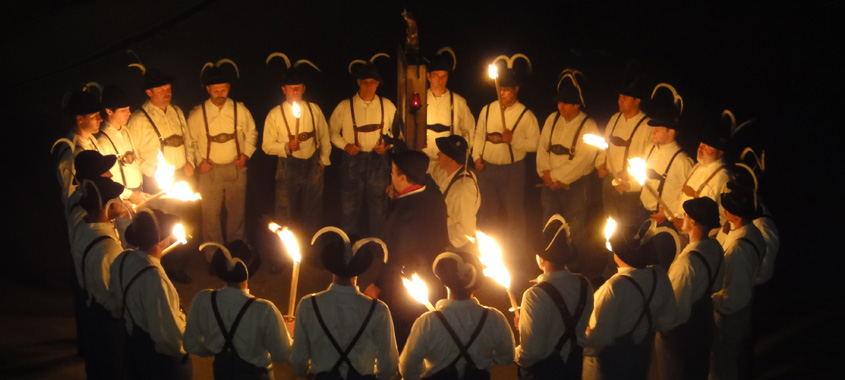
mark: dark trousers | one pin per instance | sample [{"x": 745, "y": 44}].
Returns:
[
  {"x": 503, "y": 202},
  {"x": 104, "y": 344},
  {"x": 364, "y": 180},
  {"x": 733, "y": 346},
  {"x": 144, "y": 363},
  {"x": 299, "y": 191},
  {"x": 572, "y": 206},
  {"x": 223, "y": 187},
  {"x": 229, "y": 366},
  {"x": 624, "y": 360},
  {"x": 684, "y": 352}
]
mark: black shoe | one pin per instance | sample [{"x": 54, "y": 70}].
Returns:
[{"x": 181, "y": 277}]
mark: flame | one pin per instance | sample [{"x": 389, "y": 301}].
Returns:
[
  {"x": 296, "y": 111},
  {"x": 609, "y": 228},
  {"x": 290, "y": 243},
  {"x": 182, "y": 190},
  {"x": 491, "y": 258},
  {"x": 595, "y": 140},
  {"x": 164, "y": 177},
  {"x": 417, "y": 289},
  {"x": 493, "y": 71},
  {"x": 180, "y": 234},
  {"x": 636, "y": 168},
  {"x": 274, "y": 227}
]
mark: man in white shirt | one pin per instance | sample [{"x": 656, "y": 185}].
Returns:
[
  {"x": 84, "y": 111},
  {"x": 358, "y": 126},
  {"x": 114, "y": 138},
  {"x": 709, "y": 176},
  {"x": 459, "y": 187},
  {"x": 447, "y": 113},
  {"x": 303, "y": 146},
  {"x": 225, "y": 136}
]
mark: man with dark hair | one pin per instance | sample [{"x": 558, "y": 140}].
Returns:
[
  {"x": 459, "y": 186},
  {"x": 114, "y": 138}
]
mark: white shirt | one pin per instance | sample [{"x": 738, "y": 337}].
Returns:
[
  {"x": 169, "y": 123},
  {"x": 618, "y": 305},
  {"x": 65, "y": 169},
  {"x": 340, "y": 123},
  {"x": 99, "y": 259},
  {"x": 622, "y": 127},
  {"x": 343, "y": 309},
  {"x": 658, "y": 159},
  {"x": 772, "y": 237},
  {"x": 742, "y": 265},
  {"x": 430, "y": 348},
  {"x": 561, "y": 168},
  {"x": 118, "y": 142},
  {"x": 260, "y": 335},
  {"x": 540, "y": 323},
  {"x": 689, "y": 276},
  {"x": 440, "y": 111},
  {"x": 462, "y": 203},
  {"x": 276, "y": 137},
  {"x": 700, "y": 181},
  {"x": 152, "y": 302},
  {"x": 222, "y": 121},
  {"x": 524, "y": 137}
]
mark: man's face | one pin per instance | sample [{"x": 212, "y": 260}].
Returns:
[
  {"x": 662, "y": 135},
  {"x": 89, "y": 123},
  {"x": 568, "y": 111},
  {"x": 293, "y": 92},
  {"x": 218, "y": 93},
  {"x": 508, "y": 94},
  {"x": 367, "y": 87},
  {"x": 628, "y": 104},
  {"x": 160, "y": 94},
  {"x": 437, "y": 79},
  {"x": 399, "y": 181},
  {"x": 119, "y": 116},
  {"x": 708, "y": 154},
  {"x": 443, "y": 160},
  {"x": 688, "y": 224}
]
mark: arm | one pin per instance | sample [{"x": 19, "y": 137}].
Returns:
[
  {"x": 582, "y": 164},
  {"x": 465, "y": 120},
  {"x": 739, "y": 280},
  {"x": 600, "y": 331},
  {"x": 387, "y": 353},
  {"x": 336, "y": 122},
  {"x": 533, "y": 328},
  {"x": 194, "y": 339},
  {"x": 146, "y": 142},
  {"x": 673, "y": 190},
  {"x": 323, "y": 136},
  {"x": 664, "y": 311},
  {"x": 680, "y": 277},
  {"x": 274, "y": 139},
  {"x": 543, "y": 146},
  {"x": 276, "y": 340},
  {"x": 196, "y": 127},
  {"x": 503, "y": 353},
  {"x": 300, "y": 354},
  {"x": 411, "y": 361},
  {"x": 190, "y": 139},
  {"x": 480, "y": 134},
  {"x": 166, "y": 322},
  {"x": 250, "y": 133},
  {"x": 526, "y": 136}
]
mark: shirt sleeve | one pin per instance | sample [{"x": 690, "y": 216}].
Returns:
[
  {"x": 190, "y": 140},
  {"x": 480, "y": 134},
  {"x": 739, "y": 276},
  {"x": 503, "y": 352},
  {"x": 196, "y": 126},
  {"x": 600, "y": 331},
  {"x": 166, "y": 322},
  {"x": 466, "y": 122},
  {"x": 250, "y": 132},
  {"x": 525, "y": 138},
  {"x": 194, "y": 339},
  {"x": 336, "y": 123},
  {"x": 274, "y": 140},
  {"x": 323, "y": 136},
  {"x": 680, "y": 276},
  {"x": 543, "y": 147},
  {"x": 581, "y": 164},
  {"x": 664, "y": 311},
  {"x": 411, "y": 362},
  {"x": 301, "y": 351},
  {"x": 146, "y": 142},
  {"x": 387, "y": 354},
  {"x": 276, "y": 340},
  {"x": 533, "y": 323}
]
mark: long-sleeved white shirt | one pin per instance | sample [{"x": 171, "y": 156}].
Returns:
[
  {"x": 65, "y": 169},
  {"x": 525, "y": 134},
  {"x": 260, "y": 335},
  {"x": 152, "y": 302},
  {"x": 618, "y": 305},
  {"x": 222, "y": 121},
  {"x": 430, "y": 348},
  {"x": 343, "y": 309},
  {"x": 276, "y": 135},
  {"x": 540, "y": 323},
  {"x": 169, "y": 122},
  {"x": 742, "y": 265},
  {"x": 689, "y": 276},
  {"x": 99, "y": 258},
  {"x": 772, "y": 237},
  {"x": 366, "y": 113},
  {"x": 118, "y": 142},
  {"x": 639, "y": 142},
  {"x": 451, "y": 110},
  {"x": 462, "y": 203},
  {"x": 561, "y": 168},
  {"x": 658, "y": 159}
]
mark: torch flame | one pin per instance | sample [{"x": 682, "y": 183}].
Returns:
[
  {"x": 493, "y": 71},
  {"x": 609, "y": 228},
  {"x": 164, "y": 177},
  {"x": 180, "y": 234},
  {"x": 637, "y": 169},
  {"x": 595, "y": 140},
  {"x": 296, "y": 111},
  {"x": 491, "y": 258},
  {"x": 417, "y": 289},
  {"x": 274, "y": 227},
  {"x": 290, "y": 243}
]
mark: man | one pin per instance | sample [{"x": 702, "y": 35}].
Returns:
[
  {"x": 628, "y": 135},
  {"x": 114, "y": 139},
  {"x": 84, "y": 110},
  {"x": 89, "y": 165},
  {"x": 414, "y": 232},
  {"x": 628, "y": 309},
  {"x": 708, "y": 177},
  {"x": 744, "y": 249},
  {"x": 683, "y": 350},
  {"x": 667, "y": 165},
  {"x": 222, "y": 155},
  {"x": 554, "y": 314},
  {"x": 342, "y": 333},
  {"x": 498, "y": 154},
  {"x": 358, "y": 125},
  {"x": 447, "y": 113},
  {"x": 143, "y": 296},
  {"x": 303, "y": 147},
  {"x": 459, "y": 187},
  {"x": 242, "y": 332},
  {"x": 564, "y": 161}
]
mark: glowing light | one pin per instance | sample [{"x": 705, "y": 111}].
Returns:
[
  {"x": 493, "y": 71},
  {"x": 181, "y": 237},
  {"x": 595, "y": 140},
  {"x": 491, "y": 259},
  {"x": 418, "y": 290},
  {"x": 637, "y": 169},
  {"x": 290, "y": 243},
  {"x": 609, "y": 229},
  {"x": 296, "y": 111}
]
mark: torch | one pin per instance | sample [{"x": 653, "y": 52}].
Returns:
[
  {"x": 609, "y": 229},
  {"x": 493, "y": 72},
  {"x": 637, "y": 169},
  {"x": 599, "y": 142},
  {"x": 418, "y": 290},
  {"x": 181, "y": 238},
  {"x": 296, "y": 113},
  {"x": 491, "y": 258},
  {"x": 164, "y": 177},
  {"x": 292, "y": 247}
]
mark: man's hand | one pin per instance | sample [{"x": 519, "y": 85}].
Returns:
[
  {"x": 558, "y": 185},
  {"x": 138, "y": 197},
  {"x": 602, "y": 170},
  {"x": 547, "y": 178},
  {"x": 658, "y": 216},
  {"x": 189, "y": 169},
  {"x": 479, "y": 164},
  {"x": 128, "y": 157},
  {"x": 352, "y": 149},
  {"x": 380, "y": 148},
  {"x": 623, "y": 186},
  {"x": 372, "y": 291},
  {"x": 507, "y": 136},
  {"x": 293, "y": 145},
  {"x": 290, "y": 324},
  {"x": 205, "y": 166},
  {"x": 241, "y": 160}
]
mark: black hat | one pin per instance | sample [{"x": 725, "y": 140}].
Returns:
[
  {"x": 457, "y": 270},
  {"x": 214, "y": 75},
  {"x": 292, "y": 76},
  {"x": 443, "y": 62},
  {"x": 96, "y": 192},
  {"x": 413, "y": 163},
  {"x": 149, "y": 227},
  {"x": 90, "y": 164},
  {"x": 345, "y": 257},
  {"x": 114, "y": 98},
  {"x": 740, "y": 202},
  {"x": 454, "y": 147},
  {"x": 83, "y": 103},
  {"x": 634, "y": 82},
  {"x": 509, "y": 78},
  {"x": 154, "y": 77},
  {"x": 367, "y": 71},
  {"x": 630, "y": 249},
  {"x": 667, "y": 107},
  {"x": 703, "y": 211},
  {"x": 716, "y": 133},
  {"x": 569, "y": 90},
  {"x": 559, "y": 248},
  {"x": 240, "y": 264}
]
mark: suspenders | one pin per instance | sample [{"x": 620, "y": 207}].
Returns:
[
  {"x": 463, "y": 348},
  {"x": 132, "y": 281},
  {"x": 710, "y": 275},
  {"x": 291, "y": 137},
  {"x": 756, "y": 250},
  {"x": 696, "y": 192},
  {"x": 665, "y": 173},
  {"x": 570, "y": 321},
  {"x": 634, "y": 131},
  {"x": 513, "y": 130},
  {"x": 442, "y": 128},
  {"x": 85, "y": 256},
  {"x": 208, "y": 134},
  {"x": 230, "y": 334},
  {"x": 462, "y": 172},
  {"x": 371, "y": 126},
  {"x": 155, "y": 128},
  {"x": 646, "y": 311},
  {"x": 571, "y": 151},
  {"x": 120, "y": 162},
  {"x": 343, "y": 352}
]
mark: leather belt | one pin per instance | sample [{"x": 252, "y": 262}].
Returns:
[
  {"x": 495, "y": 138},
  {"x": 174, "y": 141},
  {"x": 221, "y": 137},
  {"x": 302, "y": 136},
  {"x": 368, "y": 128}
]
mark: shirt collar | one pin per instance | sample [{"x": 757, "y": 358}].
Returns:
[
  {"x": 230, "y": 289},
  {"x": 554, "y": 275},
  {"x": 415, "y": 191},
  {"x": 624, "y": 270},
  {"x": 343, "y": 288},
  {"x": 447, "y": 303}
]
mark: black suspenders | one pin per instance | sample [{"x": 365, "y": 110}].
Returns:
[
  {"x": 85, "y": 256},
  {"x": 355, "y": 124},
  {"x": 119, "y": 162},
  {"x": 463, "y": 348},
  {"x": 665, "y": 173},
  {"x": 208, "y": 133},
  {"x": 756, "y": 250},
  {"x": 155, "y": 128},
  {"x": 344, "y": 353},
  {"x": 647, "y": 301},
  {"x": 513, "y": 130},
  {"x": 570, "y": 321},
  {"x": 230, "y": 334},
  {"x": 574, "y": 138},
  {"x": 462, "y": 172},
  {"x": 711, "y": 277},
  {"x": 125, "y": 289}
]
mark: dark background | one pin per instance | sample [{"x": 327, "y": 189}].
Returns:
[{"x": 775, "y": 62}]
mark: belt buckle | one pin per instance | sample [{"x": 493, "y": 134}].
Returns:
[{"x": 303, "y": 136}]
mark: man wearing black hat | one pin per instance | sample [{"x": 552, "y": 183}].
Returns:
[
  {"x": 628, "y": 308},
  {"x": 744, "y": 249},
  {"x": 459, "y": 187},
  {"x": 447, "y": 113},
  {"x": 301, "y": 141},
  {"x": 89, "y": 165},
  {"x": 498, "y": 153},
  {"x": 114, "y": 138},
  {"x": 684, "y": 351},
  {"x": 84, "y": 108},
  {"x": 357, "y": 126},
  {"x": 341, "y": 331},
  {"x": 159, "y": 126},
  {"x": 229, "y": 141},
  {"x": 242, "y": 332},
  {"x": 708, "y": 177},
  {"x": 554, "y": 314}
]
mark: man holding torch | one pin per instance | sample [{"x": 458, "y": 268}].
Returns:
[
  {"x": 114, "y": 138},
  {"x": 447, "y": 113}
]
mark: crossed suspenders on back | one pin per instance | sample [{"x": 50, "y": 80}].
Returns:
[
  {"x": 221, "y": 137},
  {"x": 462, "y": 173},
  {"x": 695, "y": 193},
  {"x": 369, "y": 127},
  {"x": 439, "y": 128},
  {"x": 174, "y": 141},
  {"x": 646, "y": 300},
  {"x": 85, "y": 256},
  {"x": 344, "y": 353},
  {"x": 711, "y": 277},
  {"x": 618, "y": 141},
  {"x": 570, "y": 321},
  {"x": 229, "y": 335},
  {"x": 125, "y": 289},
  {"x": 464, "y": 353},
  {"x": 496, "y": 137},
  {"x": 559, "y": 149},
  {"x": 302, "y": 136}
]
